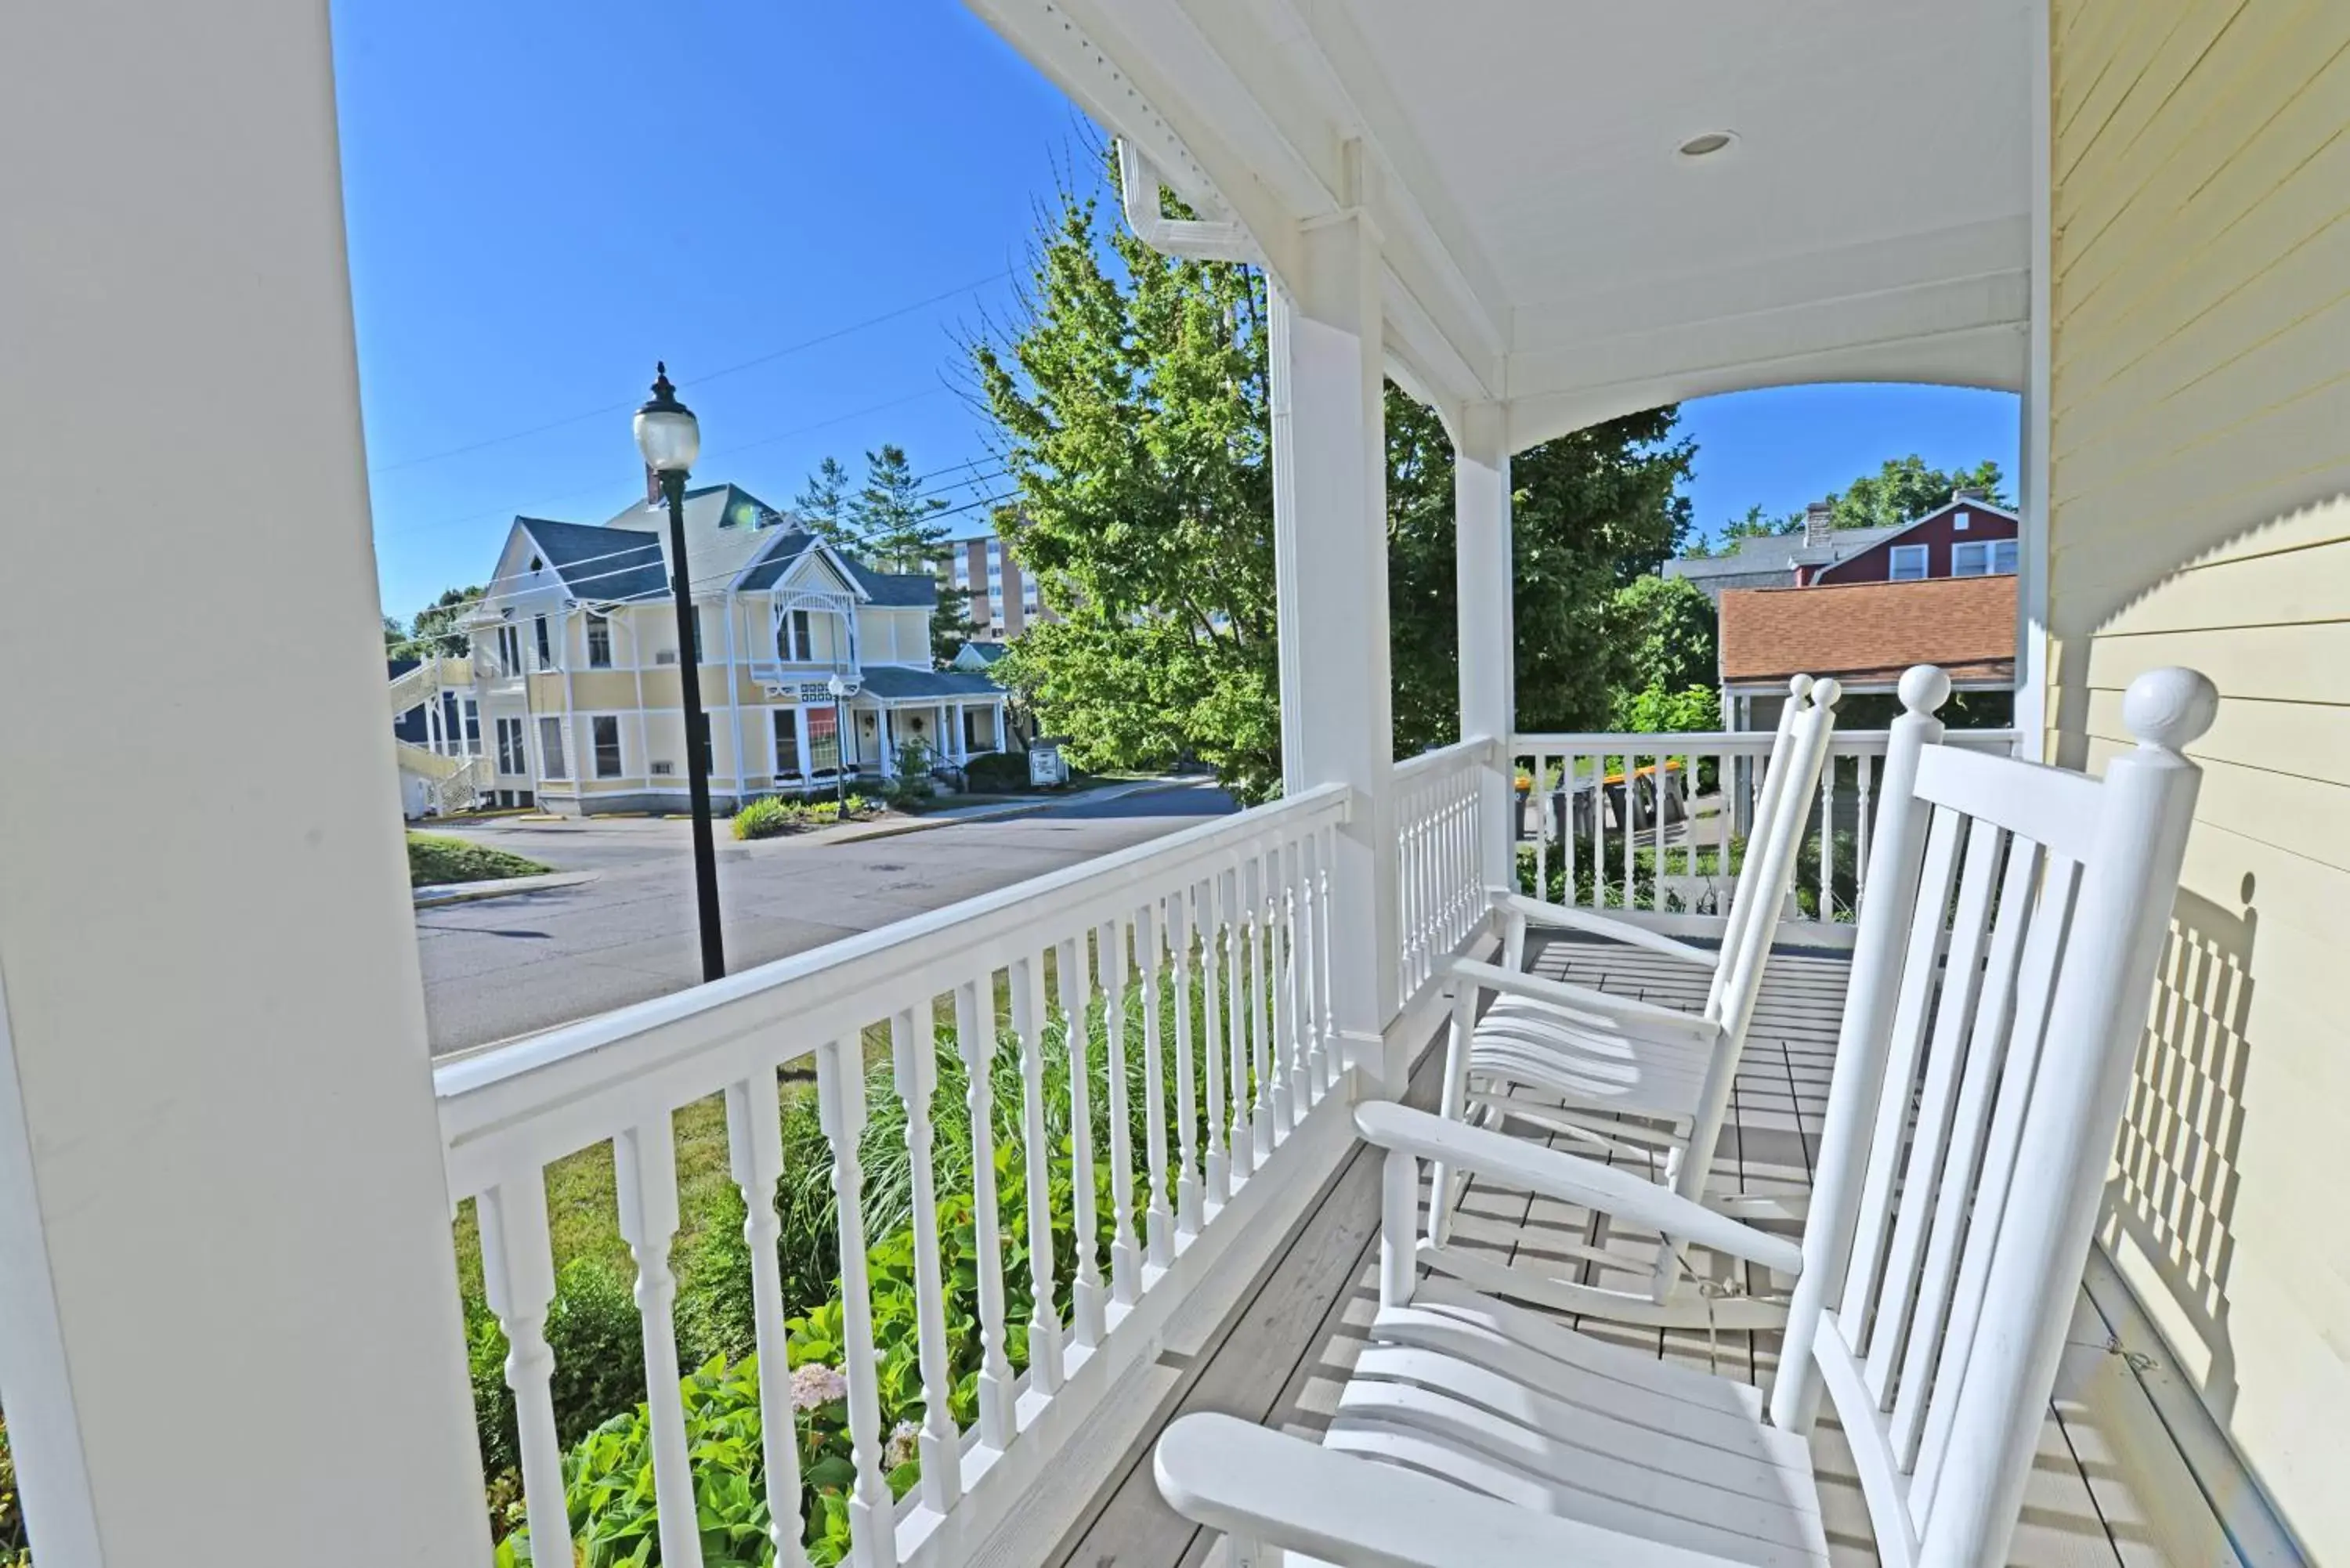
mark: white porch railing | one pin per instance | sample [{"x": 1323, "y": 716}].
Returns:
[
  {"x": 1654, "y": 824},
  {"x": 1216, "y": 937},
  {"x": 1440, "y": 853}
]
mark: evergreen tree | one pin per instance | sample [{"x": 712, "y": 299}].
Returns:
[
  {"x": 894, "y": 520},
  {"x": 822, "y": 506},
  {"x": 1132, "y": 412}
]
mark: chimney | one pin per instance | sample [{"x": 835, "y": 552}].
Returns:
[
  {"x": 1819, "y": 522},
  {"x": 1971, "y": 493}
]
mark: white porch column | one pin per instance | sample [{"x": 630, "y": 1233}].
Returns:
[
  {"x": 228, "y": 1300},
  {"x": 1329, "y": 486},
  {"x": 1488, "y": 636}
]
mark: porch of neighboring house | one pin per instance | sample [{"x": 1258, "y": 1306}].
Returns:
[{"x": 2109, "y": 1486}]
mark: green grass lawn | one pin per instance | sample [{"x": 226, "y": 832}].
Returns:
[{"x": 434, "y": 858}]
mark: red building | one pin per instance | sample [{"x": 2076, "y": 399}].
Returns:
[{"x": 1967, "y": 536}]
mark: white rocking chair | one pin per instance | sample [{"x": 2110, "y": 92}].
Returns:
[
  {"x": 2002, "y": 968},
  {"x": 1605, "y": 1056}
]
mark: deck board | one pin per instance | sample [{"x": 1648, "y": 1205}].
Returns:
[{"x": 1288, "y": 1350}]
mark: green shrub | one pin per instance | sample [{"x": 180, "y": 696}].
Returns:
[
  {"x": 15, "y": 1552},
  {"x": 599, "y": 1361},
  {"x": 769, "y": 817},
  {"x": 910, "y": 787},
  {"x": 997, "y": 772}
]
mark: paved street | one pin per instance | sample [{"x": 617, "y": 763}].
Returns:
[{"x": 510, "y": 966}]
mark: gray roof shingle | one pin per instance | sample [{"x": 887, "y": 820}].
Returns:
[
  {"x": 891, "y": 681},
  {"x": 601, "y": 564}
]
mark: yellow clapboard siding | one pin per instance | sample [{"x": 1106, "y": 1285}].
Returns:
[
  {"x": 2224, "y": 88},
  {"x": 2300, "y": 663},
  {"x": 2086, "y": 569},
  {"x": 2094, "y": 147},
  {"x": 2199, "y": 485},
  {"x": 2305, "y": 739},
  {"x": 2260, "y": 84}
]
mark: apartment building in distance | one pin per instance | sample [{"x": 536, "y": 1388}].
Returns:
[{"x": 1003, "y": 598}]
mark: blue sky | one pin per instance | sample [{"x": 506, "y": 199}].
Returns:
[{"x": 542, "y": 198}]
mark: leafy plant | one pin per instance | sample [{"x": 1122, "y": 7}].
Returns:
[
  {"x": 769, "y": 816},
  {"x": 910, "y": 786},
  {"x": 15, "y": 1552},
  {"x": 997, "y": 772}
]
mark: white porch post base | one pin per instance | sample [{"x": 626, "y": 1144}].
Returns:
[
  {"x": 1481, "y": 554},
  {"x": 1329, "y": 466},
  {"x": 228, "y": 1300}
]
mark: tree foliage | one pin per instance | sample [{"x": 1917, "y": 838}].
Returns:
[
  {"x": 1902, "y": 490},
  {"x": 822, "y": 506},
  {"x": 895, "y": 523},
  {"x": 1670, "y": 632},
  {"x": 1131, "y": 406},
  {"x": 433, "y": 631}
]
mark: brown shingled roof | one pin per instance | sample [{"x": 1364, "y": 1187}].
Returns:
[{"x": 1870, "y": 631}]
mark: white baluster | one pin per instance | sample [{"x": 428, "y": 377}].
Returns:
[
  {"x": 1631, "y": 827},
  {"x": 840, "y": 1106},
  {"x": 1538, "y": 796},
  {"x": 975, "y": 1040},
  {"x": 1125, "y": 1257},
  {"x": 1663, "y": 780},
  {"x": 754, "y": 1146},
  {"x": 1085, "y": 1301},
  {"x": 1272, "y": 1088},
  {"x": 1236, "y": 1018},
  {"x": 1189, "y": 1198},
  {"x": 913, "y": 1060},
  {"x": 1159, "y": 1221},
  {"x": 1864, "y": 765},
  {"x": 1828, "y": 840},
  {"x": 1309, "y": 1013},
  {"x": 1325, "y": 853},
  {"x": 518, "y": 1279},
  {"x": 1212, "y": 927},
  {"x": 1036, "y": 1150},
  {"x": 644, "y": 1169},
  {"x": 1291, "y": 995}
]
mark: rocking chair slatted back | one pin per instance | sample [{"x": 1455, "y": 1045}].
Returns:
[
  {"x": 1780, "y": 789},
  {"x": 2006, "y": 948}
]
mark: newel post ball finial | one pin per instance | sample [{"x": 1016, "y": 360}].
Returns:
[
  {"x": 1800, "y": 687},
  {"x": 1924, "y": 687},
  {"x": 2170, "y": 709},
  {"x": 1826, "y": 693}
]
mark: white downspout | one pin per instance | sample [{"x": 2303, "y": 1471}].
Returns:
[{"x": 1139, "y": 184}]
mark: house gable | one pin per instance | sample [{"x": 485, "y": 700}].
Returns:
[{"x": 1956, "y": 522}]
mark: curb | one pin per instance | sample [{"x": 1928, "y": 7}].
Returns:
[
  {"x": 1019, "y": 808},
  {"x": 500, "y": 888}
]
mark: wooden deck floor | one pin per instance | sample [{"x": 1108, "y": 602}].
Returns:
[{"x": 2109, "y": 1488}]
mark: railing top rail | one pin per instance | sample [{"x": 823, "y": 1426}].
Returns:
[
  {"x": 542, "y": 1097},
  {"x": 1472, "y": 750},
  {"x": 1758, "y": 741}
]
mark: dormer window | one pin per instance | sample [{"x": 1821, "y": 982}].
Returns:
[{"x": 795, "y": 639}]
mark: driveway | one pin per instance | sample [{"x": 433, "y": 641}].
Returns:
[{"x": 513, "y": 966}]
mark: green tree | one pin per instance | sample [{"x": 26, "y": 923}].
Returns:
[
  {"x": 822, "y": 506},
  {"x": 1904, "y": 489},
  {"x": 1670, "y": 632},
  {"x": 1132, "y": 407},
  {"x": 895, "y": 523},
  {"x": 435, "y": 632}
]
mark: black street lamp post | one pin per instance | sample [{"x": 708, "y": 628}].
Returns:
[{"x": 670, "y": 439}]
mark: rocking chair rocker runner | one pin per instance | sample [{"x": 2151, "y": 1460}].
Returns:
[
  {"x": 1605, "y": 1056},
  {"x": 2002, "y": 968}
]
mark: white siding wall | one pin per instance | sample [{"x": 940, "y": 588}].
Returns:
[{"x": 2199, "y": 486}]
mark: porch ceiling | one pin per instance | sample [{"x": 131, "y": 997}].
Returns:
[{"x": 1545, "y": 243}]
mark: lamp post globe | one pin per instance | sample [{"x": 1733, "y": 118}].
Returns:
[{"x": 669, "y": 438}]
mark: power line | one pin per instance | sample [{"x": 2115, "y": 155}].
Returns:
[{"x": 752, "y": 363}]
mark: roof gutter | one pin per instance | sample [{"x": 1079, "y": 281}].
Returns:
[{"x": 1139, "y": 185}]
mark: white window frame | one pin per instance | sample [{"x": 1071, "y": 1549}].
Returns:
[
  {"x": 1970, "y": 558},
  {"x": 2014, "y": 550},
  {"x": 1918, "y": 552},
  {"x": 513, "y": 757},
  {"x": 788, "y": 723},
  {"x": 596, "y": 747},
  {"x": 552, "y": 764},
  {"x": 598, "y": 623}
]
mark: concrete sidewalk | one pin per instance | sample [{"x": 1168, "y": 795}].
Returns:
[
  {"x": 441, "y": 893},
  {"x": 994, "y": 811}
]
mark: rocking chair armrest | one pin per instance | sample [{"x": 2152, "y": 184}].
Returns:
[
  {"x": 1559, "y": 917},
  {"x": 1269, "y": 1487},
  {"x": 1604, "y": 1006},
  {"x": 1618, "y": 1193}
]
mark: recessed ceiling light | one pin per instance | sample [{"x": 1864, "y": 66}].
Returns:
[{"x": 1708, "y": 143}]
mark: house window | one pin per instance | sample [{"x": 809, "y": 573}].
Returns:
[
  {"x": 823, "y": 740},
  {"x": 510, "y": 651},
  {"x": 787, "y": 744},
  {"x": 600, "y": 641},
  {"x": 511, "y": 756},
  {"x": 545, "y": 647},
  {"x": 608, "y": 746},
  {"x": 795, "y": 641},
  {"x": 550, "y": 750},
  {"x": 978, "y": 730},
  {"x": 1971, "y": 559},
  {"x": 1909, "y": 564}
]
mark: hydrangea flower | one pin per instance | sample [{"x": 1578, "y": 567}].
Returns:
[
  {"x": 815, "y": 1383},
  {"x": 905, "y": 1440}
]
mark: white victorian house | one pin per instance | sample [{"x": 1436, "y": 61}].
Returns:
[{"x": 229, "y": 1314}]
